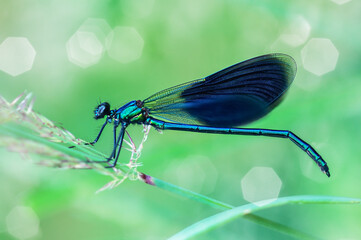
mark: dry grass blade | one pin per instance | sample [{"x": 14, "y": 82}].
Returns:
[{"x": 24, "y": 131}]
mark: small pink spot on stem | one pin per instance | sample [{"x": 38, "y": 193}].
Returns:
[{"x": 147, "y": 179}]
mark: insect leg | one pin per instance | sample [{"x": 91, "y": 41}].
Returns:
[
  {"x": 100, "y": 133},
  {"x": 118, "y": 146},
  {"x": 115, "y": 141}
]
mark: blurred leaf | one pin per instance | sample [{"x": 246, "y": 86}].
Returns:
[
  {"x": 241, "y": 211},
  {"x": 221, "y": 205}
]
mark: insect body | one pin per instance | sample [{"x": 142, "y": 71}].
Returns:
[{"x": 231, "y": 97}]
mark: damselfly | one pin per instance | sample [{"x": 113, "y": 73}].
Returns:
[{"x": 231, "y": 97}]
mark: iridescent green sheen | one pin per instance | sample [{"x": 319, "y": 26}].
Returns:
[{"x": 217, "y": 104}]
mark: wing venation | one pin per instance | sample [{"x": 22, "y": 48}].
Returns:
[{"x": 233, "y": 96}]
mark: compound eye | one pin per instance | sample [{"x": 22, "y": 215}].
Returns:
[{"x": 102, "y": 110}]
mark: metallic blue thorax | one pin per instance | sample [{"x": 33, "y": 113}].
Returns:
[{"x": 130, "y": 113}]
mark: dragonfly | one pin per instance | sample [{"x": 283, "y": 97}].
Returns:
[{"x": 217, "y": 104}]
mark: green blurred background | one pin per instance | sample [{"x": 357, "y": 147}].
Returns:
[{"x": 172, "y": 42}]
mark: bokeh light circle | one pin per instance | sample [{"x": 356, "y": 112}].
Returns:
[
  {"x": 259, "y": 184},
  {"x": 87, "y": 45},
  {"x": 16, "y": 55},
  {"x": 125, "y": 44},
  {"x": 22, "y": 222},
  {"x": 297, "y": 31},
  {"x": 319, "y": 56}
]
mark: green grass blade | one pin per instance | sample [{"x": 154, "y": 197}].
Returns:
[
  {"x": 27, "y": 132},
  {"x": 279, "y": 227},
  {"x": 184, "y": 192},
  {"x": 30, "y": 133},
  {"x": 241, "y": 211},
  {"x": 222, "y": 206},
  {"x": 19, "y": 131}
]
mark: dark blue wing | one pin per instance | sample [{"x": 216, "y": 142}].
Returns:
[{"x": 233, "y": 96}]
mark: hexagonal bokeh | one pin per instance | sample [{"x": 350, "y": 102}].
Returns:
[
  {"x": 297, "y": 32},
  {"x": 261, "y": 184},
  {"x": 22, "y": 222},
  {"x": 340, "y": 2},
  {"x": 16, "y": 55},
  {"x": 125, "y": 44},
  {"x": 319, "y": 56},
  {"x": 86, "y": 47},
  {"x": 98, "y": 26}
]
